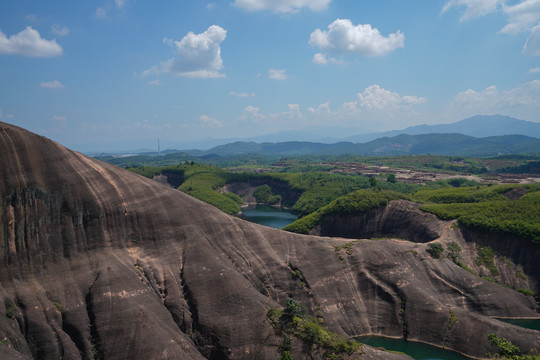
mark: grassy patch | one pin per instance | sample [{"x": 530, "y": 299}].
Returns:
[
  {"x": 58, "y": 306},
  {"x": 527, "y": 292}
]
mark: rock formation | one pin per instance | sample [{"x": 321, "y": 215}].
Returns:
[{"x": 98, "y": 262}]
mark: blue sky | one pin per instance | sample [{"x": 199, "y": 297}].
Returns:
[{"x": 114, "y": 70}]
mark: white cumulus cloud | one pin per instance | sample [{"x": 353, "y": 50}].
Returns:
[
  {"x": 321, "y": 109},
  {"x": 252, "y": 114},
  {"x": 532, "y": 46},
  {"x": 210, "y": 122},
  {"x": 29, "y": 43},
  {"x": 199, "y": 55},
  {"x": 522, "y": 100},
  {"x": 241, "y": 94},
  {"x": 120, "y": 3},
  {"x": 474, "y": 8},
  {"x": 55, "y": 84},
  {"x": 101, "y": 13},
  {"x": 60, "y": 30},
  {"x": 375, "y": 97},
  {"x": 344, "y": 37},
  {"x": 322, "y": 59},
  {"x": 277, "y": 74},
  {"x": 281, "y": 6},
  {"x": 522, "y": 16}
]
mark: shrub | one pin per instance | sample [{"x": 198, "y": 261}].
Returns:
[
  {"x": 435, "y": 250},
  {"x": 10, "y": 310},
  {"x": 292, "y": 322},
  {"x": 262, "y": 193},
  {"x": 506, "y": 348},
  {"x": 274, "y": 199},
  {"x": 454, "y": 252}
]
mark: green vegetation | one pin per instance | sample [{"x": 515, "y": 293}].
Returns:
[
  {"x": 469, "y": 194},
  {"x": 532, "y": 167},
  {"x": 262, "y": 193},
  {"x": 10, "y": 310},
  {"x": 58, "y": 306},
  {"x": 453, "y": 252},
  {"x": 475, "y": 206},
  {"x": 486, "y": 257},
  {"x": 292, "y": 322},
  {"x": 507, "y": 350},
  {"x": 465, "y": 267},
  {"x": 357, "y": 202},
  {"x": 527, "y": 292},
  {"x": 521, "y": 275},
  {"x": 318, "y": 189},
  {"x": 237, "y": 199},
  {"x": 435, "y": 250},
  {"x": 203, "y": 182},
  {"x": 485, "y": 208},
  {"x": 453, "y": 319}
]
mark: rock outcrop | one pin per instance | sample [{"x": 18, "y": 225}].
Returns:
[
  {"x": 98, "y": 262},
  {"x": 399, "y": 219}
]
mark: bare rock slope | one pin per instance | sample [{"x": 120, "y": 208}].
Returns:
[{"x": 97, "y": 262}]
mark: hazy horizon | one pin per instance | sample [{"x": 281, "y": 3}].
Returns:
[{"x": 124, "y": 70}]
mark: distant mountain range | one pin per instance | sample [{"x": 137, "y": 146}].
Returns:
[
  {"x": 300, "y": 142},
  {"x": 437, "y": 144},
  {"x": 477, "y": 126}
]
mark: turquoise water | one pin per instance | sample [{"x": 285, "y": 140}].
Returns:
[
  {"x": 416, "y": 350},
  {"x": 526, "y": 323},
  {"x": 269, "y": 216}
]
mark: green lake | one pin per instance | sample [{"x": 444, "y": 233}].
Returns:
[
  {"x": 526, "y": 323},
  {"x": 269, "y": 216},
  {"x": 416, "y": 350}
]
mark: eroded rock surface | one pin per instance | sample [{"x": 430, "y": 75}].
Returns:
[{"x": 98, "y": 262}]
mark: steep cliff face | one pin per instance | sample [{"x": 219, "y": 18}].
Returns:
[
  {"x": 98, "y": 262},
  {"x": 400, "y": 219},
  {"x": 515, "y": 259}
]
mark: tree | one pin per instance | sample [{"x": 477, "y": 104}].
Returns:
[
  {"x": 262, "y": 193},
  {"x": 454, "y": 251},
  {"x": 506, "y": 348},
  {"x": 372, "y": 182},
  {"x": 292, "y": 309},
  {"x": 435, "y": 250},
  {"x": 391, "y": 178}
]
